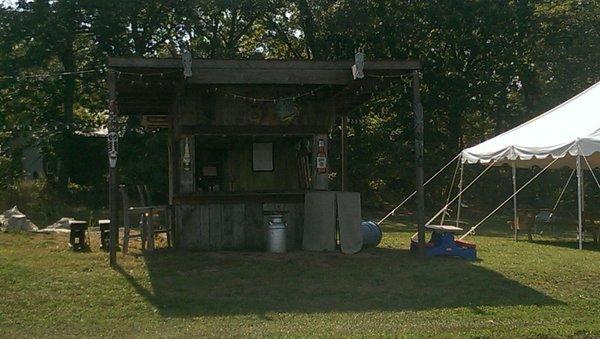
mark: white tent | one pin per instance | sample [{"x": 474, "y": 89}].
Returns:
[
  {"x": 559, "y": 137},
  {"x": 566, "y": 131}
]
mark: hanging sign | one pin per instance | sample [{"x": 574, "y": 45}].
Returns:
[{"x": 321, "y": 157}]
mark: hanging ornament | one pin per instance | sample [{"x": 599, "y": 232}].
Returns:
[
  {"x": 186, "y": 59},
  {"x": 187, "y": 157},
  {"x": 359, "y": 64},
  {"x": 112, "y": 137}
]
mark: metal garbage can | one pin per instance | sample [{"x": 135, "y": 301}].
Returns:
[{"x": 276, "y": 234}]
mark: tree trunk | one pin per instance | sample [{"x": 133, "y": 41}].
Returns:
[{"x": 308, "y": 24}]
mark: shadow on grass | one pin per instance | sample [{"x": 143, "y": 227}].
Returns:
[
  {"x": 573, "y": 244},
  {"x": 187, "y": 284}
]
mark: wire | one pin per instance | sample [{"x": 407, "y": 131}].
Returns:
[
  {"x": 144, "y": 74},
  {"x": 81, "y": 72},
  {"x": 48, "y": 75},
  {"x": 388, "y": 76}
]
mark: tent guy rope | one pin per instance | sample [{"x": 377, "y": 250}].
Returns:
[
  {"x": 492, "y": 163},
  {"x": 451, "y": 189},
  {"x": 563, "y": 191},
  {"x": 443, "y": 209},
  {"x": 415, "y": 192},
  {"x": 508, "y": 199},
  {"x": 591, "y": 170}
]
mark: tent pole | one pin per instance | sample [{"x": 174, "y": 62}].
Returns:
[
  {"x": 460, "y": 187},
  {"x": 515, "y": 206},
  {"x": 580, "y": 201}
]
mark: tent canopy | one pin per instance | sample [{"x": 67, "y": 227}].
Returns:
[{"x": 564, "y": 132}]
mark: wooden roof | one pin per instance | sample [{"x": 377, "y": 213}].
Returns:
[{"x": 148, "y": 85}]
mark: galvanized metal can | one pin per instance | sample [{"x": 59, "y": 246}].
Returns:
[{"x": 276, "y": 234}]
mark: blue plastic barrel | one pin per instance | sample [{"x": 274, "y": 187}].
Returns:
[{"x": 371, "y": 233}]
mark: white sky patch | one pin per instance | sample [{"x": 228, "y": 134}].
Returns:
[{"x": 8, "y": 3}]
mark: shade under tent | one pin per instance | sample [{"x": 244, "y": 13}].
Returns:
[{"x": 565, "y": 136}]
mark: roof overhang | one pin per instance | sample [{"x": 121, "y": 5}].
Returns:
[
  {"x": 265, "y": 72},
  {"x": 147, "y": 86}
]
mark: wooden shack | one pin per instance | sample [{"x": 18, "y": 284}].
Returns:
[{"x": 244, "y": 136}]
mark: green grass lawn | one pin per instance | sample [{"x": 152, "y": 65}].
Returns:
[{"x": 546, "y": 288}]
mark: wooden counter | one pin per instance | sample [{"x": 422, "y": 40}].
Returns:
[{"x": 238, "y": 197}]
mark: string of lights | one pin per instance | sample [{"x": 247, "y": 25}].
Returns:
[
  {"x": 382, "y": 77},
  {"x": 161, "y": 74},
  {"x": 136, "y": 78},
  {"x": 274, "y": 100},
  {"x": 50, "y": 75},
  {"x": 100, "y": 70}
]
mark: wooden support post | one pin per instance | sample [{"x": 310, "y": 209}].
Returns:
[
  {"x": 344, "y": 169},
  {"x": 112, "y": 167},
  {"x": 418, "y": 111},
  {"x": 171, "y": 214}
]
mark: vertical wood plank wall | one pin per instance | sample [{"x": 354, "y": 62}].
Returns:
[
  {"x": 241, "y": 225},
  {"x": 235, "y": 226}
]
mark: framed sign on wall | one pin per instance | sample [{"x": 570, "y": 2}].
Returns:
[{"x": 262, "y": 156}]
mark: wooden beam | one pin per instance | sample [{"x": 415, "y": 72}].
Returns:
[
  {"x": 418, "y": 111},
  {"x": 198, "y": 64},
  {"x": 144, "y": 110},
  {"x": 260, "y": 197},
  {"x": 271, "y": 76},
  {"x": 292, "y": 130},
  {"x": 112, "y": 174},
  {"x": 344, "y": 161}
]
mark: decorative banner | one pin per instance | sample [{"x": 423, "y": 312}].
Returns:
[{"x": 112, "y": 136}]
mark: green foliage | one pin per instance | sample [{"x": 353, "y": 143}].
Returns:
[
  {"x": 38, "y": 201},
  {"x": 517, "y": 289},
  {"x": 487, "y": 66}
]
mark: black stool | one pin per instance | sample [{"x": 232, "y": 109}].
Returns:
[
  {"x": 104, "y": 225},
  {"x": 77, "y": 240}
]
